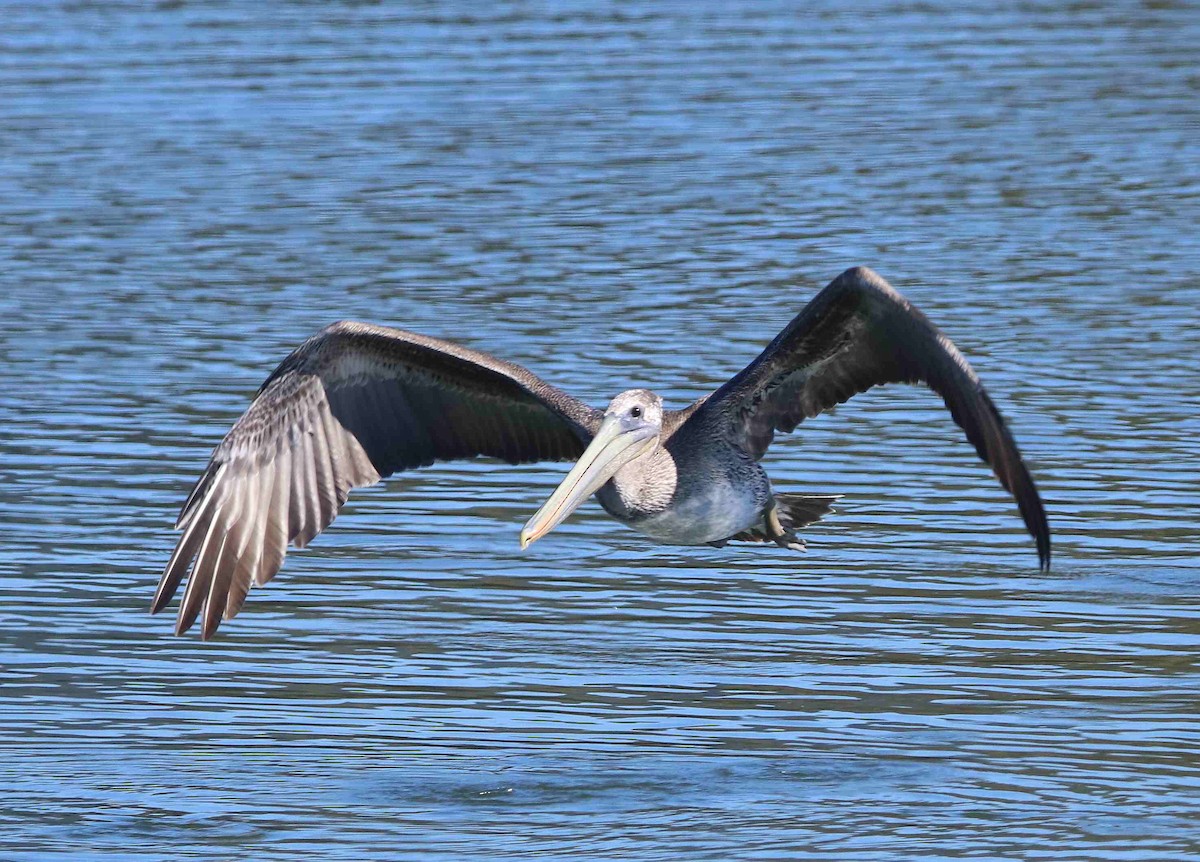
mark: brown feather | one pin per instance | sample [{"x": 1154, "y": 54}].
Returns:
[{"x": 353, "y": 404}]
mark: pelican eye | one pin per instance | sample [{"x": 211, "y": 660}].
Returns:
[{"x": 635, "y": 412}]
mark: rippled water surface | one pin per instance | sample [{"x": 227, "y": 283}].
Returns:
[{"x": 635, "y": 195}]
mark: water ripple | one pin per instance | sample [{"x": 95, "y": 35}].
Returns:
[{"x": 641, "y": 195}]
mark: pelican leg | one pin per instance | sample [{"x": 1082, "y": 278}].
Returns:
[
  {"x": 783, "y": 516},
  {"x": 770, "y": 529},
  {"x": 777, "y": 533}
]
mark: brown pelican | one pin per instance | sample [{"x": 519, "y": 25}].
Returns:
[{"x": 358, "y": 402}]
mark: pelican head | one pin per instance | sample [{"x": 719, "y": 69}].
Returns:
[{"x": 631, "y": 428}]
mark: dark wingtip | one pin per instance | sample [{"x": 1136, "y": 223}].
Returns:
[
  {"x": 1043, "y": 549},
  {"x": 1033, "y": 512},
  {"x": 162, "y": 595}
]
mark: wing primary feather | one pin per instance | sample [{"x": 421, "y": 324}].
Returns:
[
  {"x": 302, "y": 489},
  {"x": 277, "y": 533},
  {"x": 181, "y": 558},
  {"x": 258, "y": 498},
  {"x": 198, "y": 581},
  {"x": 222, "y": 570},
  {"x": 199, "y": 492}
]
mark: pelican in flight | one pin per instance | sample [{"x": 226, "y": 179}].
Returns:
[{"x": 357, "y": 402}]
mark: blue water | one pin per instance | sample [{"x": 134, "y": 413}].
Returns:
[{"x": 632, "y": 196}]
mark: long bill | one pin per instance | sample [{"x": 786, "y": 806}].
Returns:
[{"x": 613, "y": 447}]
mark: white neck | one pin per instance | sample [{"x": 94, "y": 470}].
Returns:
[{"x": 647, "y": 483}]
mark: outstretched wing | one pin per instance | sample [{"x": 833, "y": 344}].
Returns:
[
  {"x": 857, "y": 333},
  {"x": 353, "y": 404}
]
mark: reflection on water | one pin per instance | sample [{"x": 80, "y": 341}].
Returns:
[{"x": 615, "y": 198}]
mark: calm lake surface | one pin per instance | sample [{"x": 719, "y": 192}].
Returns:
[{"x": 638, "y": 195}]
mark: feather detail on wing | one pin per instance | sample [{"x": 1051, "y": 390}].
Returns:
[
  {"x": 857, "y": 333},
  {"x": 353, "y": 404}
]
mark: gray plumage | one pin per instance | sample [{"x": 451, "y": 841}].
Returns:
[{"x": 356, "y": 403}]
